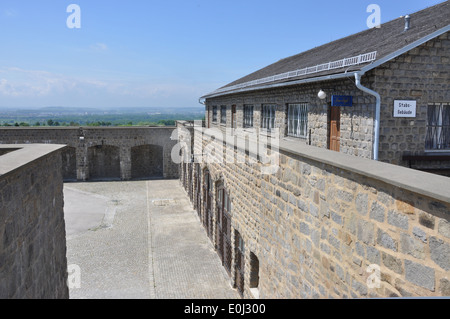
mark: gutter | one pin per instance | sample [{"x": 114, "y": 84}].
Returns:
[{"x": 376, "y": 128}]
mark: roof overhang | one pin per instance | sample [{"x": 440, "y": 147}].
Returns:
[{"x": 363, "y": 70}]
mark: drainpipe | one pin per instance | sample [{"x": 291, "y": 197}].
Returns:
[{"x": 376, "y": 138}]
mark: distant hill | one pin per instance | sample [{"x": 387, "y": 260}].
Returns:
[{"x": 75, "y": 116}]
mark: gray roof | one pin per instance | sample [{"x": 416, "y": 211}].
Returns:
[{"x": 387, "y": 39}]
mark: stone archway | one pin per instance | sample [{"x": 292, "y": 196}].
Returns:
[
  {"x": 104, "y": 162},
  {"x": 147, "y": 161}
]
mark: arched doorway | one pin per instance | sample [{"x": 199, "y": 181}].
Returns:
[
  {"x": 147, "y": 162},
  {"x": 104, "y": 162},
  {"x": 223, "y": 226},
  {"x": 207, "y": 203}
]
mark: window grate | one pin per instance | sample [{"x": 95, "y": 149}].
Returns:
[
  {"x": 214, "y": 114},
  {"x": 248, "y": 115},
  {"x": 438, "y": 128},
  {"x": 268, "y": 117},
  {"x": 223, "y": 114},
  {"x": 298, "y": 120}
]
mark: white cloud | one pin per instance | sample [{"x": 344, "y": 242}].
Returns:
[
  {"x": 20, "y": 87},
  {"x": 99, "y": 47}
]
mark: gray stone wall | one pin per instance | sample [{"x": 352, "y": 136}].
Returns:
[
  {"x": 89, "y": 142},
  {"x": 356, "y": 121},
  {"x": 325, "y": 222},
  {"x": 421, "y": 74},
  {"x": 32, "y": 230}
]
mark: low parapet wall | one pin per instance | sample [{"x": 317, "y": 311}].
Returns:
[
  {"x": 108, "y": 153},
  {"x": 32, "y": 230},
  {"x": 331, "y": 225}
]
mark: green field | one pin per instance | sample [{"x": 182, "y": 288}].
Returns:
[{"x": 69, "y": 117}]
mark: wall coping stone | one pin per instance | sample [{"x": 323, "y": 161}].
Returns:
[
  {"x": 423, "y": 183},
  {"x": 427, "y": 184},
  {"x": 25, "y": 154}
]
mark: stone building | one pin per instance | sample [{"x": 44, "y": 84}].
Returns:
[
  {"x": 292, "y": 172},
  {"x": 386, "y": 93}
]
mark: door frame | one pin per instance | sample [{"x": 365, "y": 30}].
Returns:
[{"x": 334, "y": 123}]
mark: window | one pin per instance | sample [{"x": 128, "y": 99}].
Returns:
[
  {"x": 214, "y": 114},
  {"x": 438, "y": 127},
  {"x": 223, "y": 114},
  {"x": 298, "y": 120},
  {"x": 248, "y": 115},
  {"x": 268, "y": 117}
]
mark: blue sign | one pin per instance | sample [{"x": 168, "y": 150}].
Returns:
[{"x": 341, "y": 100}]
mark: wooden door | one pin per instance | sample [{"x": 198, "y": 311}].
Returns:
[{"x": 335, "y": 128}]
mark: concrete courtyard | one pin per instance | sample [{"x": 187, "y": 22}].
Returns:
[{"x": 140, "y": 240}]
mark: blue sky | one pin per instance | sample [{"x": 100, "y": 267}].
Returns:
[{"x": 160, "y": 53}]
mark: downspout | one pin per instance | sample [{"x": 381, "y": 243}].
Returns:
[{"x": 376, "y": 128}]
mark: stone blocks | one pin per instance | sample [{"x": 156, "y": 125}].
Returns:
[
  {"x": 32, "y": 230},
  {"x": 327, "y": 227}
]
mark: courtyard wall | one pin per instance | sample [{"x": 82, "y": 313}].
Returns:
[
  {"x": 329, "y": 225},
  {"x": 33, "y": 261}
]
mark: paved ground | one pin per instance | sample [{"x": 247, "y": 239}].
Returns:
[{"x": 140, "y": 239}]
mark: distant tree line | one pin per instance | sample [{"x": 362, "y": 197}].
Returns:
[
  {"x": 126, "y": 119},
  {"x": 96, "y": 123}
]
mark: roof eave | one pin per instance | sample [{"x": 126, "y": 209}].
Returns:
[
  {"x": 405, "y": 49},
  {"x": 282, "y": 84},
  {"x": 363, "y": 70}
]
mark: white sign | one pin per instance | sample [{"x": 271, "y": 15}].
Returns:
[{"x": 404, "y": 108}]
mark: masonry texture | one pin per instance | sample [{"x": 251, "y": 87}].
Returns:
[
  {"x": 356, "y": 122},
  {"x": 105, "y": 153},
  {"x": 32, "y": 230},
  {"x": 322, "y": 225},
  {"x": 420, "y": 74}
]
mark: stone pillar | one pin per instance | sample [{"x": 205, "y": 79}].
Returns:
[
  {"x": 125, "y": 163},
  {"x": 170, "y": 168},
  {"x": 82, "y": 161}
]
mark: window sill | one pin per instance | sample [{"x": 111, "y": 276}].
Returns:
[
  {"x": 294, "y": 138},
  {"x": 447, "y": 151}
]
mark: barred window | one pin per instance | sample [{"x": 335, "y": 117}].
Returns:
[
  {"x": 268, "y": 117},
  {"x": 214, "y": 114},
  {"x": 223, "y": 114},
  {"x": 438, "y": 127},
  {"x": 298, "y": 120},
  {"x": 248, "y": 115}
]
